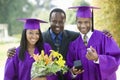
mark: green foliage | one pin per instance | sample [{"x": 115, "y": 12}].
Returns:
[
  {"x": 11, "y": 10},
  {"x": 70, "y": 16},
  {"x": 3, "y": 9},
  {"x": 80, "y": 3},
  {"x": 108, "y": 17}
]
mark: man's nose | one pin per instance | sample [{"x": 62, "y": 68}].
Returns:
[
  {"x": 83, "y": 25},
  {"x": 57, "y": 24}
]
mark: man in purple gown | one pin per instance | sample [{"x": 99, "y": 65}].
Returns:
[{"x": 99, "y": 55}]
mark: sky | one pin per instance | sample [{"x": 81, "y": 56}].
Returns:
[{"x": 64, "y": 4}]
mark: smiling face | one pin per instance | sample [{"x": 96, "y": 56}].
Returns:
[
  {"x": 84, "y": 24},
  {"x": 57, "y": 22},
  {"x": 32, "y": 36}
]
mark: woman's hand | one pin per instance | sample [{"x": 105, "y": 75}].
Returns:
[{"x": 40, "y": 78}]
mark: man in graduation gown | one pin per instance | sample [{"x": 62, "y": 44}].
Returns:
[{"x": 99, "y": 55}]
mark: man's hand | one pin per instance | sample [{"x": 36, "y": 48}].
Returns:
[
  {"x": 107, "y": 33},
  {"x": 92, "y": 54},
  {"x": 11, "y": 52},
  {"x": 76, "y": 71}
]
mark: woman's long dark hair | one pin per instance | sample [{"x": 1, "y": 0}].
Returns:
[{"x": 23, "y": 44}]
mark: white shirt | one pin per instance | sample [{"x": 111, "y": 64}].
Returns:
[{"x": 89, "y": 34}]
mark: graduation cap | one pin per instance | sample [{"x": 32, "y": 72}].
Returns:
[
  {"x": 85, "y": 12},
  {"x": 31, "y": 23}
]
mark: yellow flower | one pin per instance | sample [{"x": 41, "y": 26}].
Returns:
[
  {"x": 59, "y": 57},
  {"x": 42, "y": 53},
  {"x": 55, "y": 54},
  {"x": 60, "y": 62}
]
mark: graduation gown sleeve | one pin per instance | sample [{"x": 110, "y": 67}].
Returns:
[
  {"x": 109, "y": 60},
  {"x": 11, "y": 68}
]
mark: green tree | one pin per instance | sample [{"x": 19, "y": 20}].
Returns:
[
  {"x": 108, "y": 17},
  {"x": 11, "y": 10}
]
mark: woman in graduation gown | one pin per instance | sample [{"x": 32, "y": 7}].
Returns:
[{"x": 19, "y": 66}]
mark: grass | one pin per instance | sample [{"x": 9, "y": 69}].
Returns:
[
  {"x": 3, "y": 54},
  {"x": 4, "y": 46},
  {"x": 3, "y": 50}
]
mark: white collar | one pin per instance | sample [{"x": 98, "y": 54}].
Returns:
[{"x": 89, "y": 34}]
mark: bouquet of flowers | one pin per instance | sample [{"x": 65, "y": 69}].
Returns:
[{"x": 45, "y": 65}]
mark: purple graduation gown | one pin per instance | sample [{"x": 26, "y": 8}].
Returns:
[
  {"x": 109, "y": 57},
  {"x": 15, "y": 69}
]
